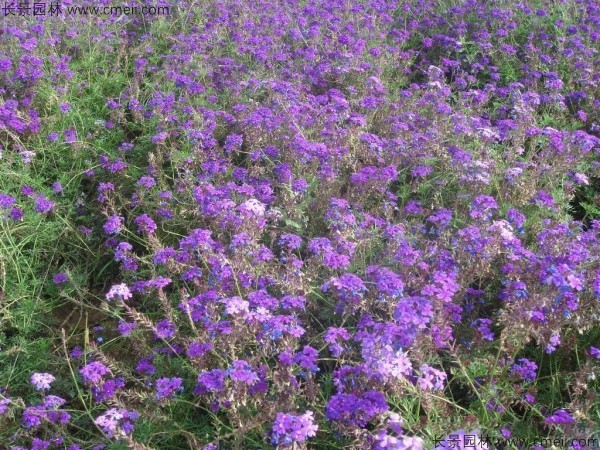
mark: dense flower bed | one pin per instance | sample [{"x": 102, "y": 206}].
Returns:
[{"x": 319, "y": 224}]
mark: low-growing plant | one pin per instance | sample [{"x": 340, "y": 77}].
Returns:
[{"x": 295, "y": 225}]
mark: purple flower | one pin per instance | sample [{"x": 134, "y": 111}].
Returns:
[
  {"x": 386, "y": 442},
  {"x": 48, "y": 411},
  {"x": 113, "y": 225},
  {"x": 145, "y": 224},
  {"x": 27, "y": 190},
  {"x": 233, "y": 142},
  {"x": 542, "y": 198},
  {"x": 211, "y": 381},
  {"x": 145, "y": 366},
  {"x": 482, "y": 207},
  {"x": 307, "y": 359},
  {"x": 93, "y": 372},
  {"x": 76, "y": 352},
  {"x": 165, "y": 329},
  {"x": 167, "y": 387},
  {"x": 4, "y": 402},
  {"x": 70, "y": 136},
  {"x": 290, "y": 241},
  {"x": 5, "y": 64},
  {"x": 595, "y": 352},
  {"x": 431, "y": 378},
  {"x": 43, "y": 205},
  {"x": 116, "y": 421},
  {"x": 235, "y": 306},
  {"x": 107, "y": 389},
  {"x": 6, "y": 201},
  {"x": 59, "y": 278},
  {"x": 413, "y": 313},
  {"x": 560, "y": 417},
  {"x": 354, "y": 410},
  {"x": 299, "y": 185},
  {"x": 348, "y": 288},
  {"x": 120, "y": 291},
  {"x": 198, "y": 349},
  {"x": 27, "y": 156},
  {"x": 386, "y": 281},
  {"x": 42, "y": 381},
  {"x": 483, "y": 326},
  {"x": 524, "y": 369},
  {"x": 126, "y": 328},
  {"x": 16, "y": 214},
  {"x": 333, "y": 336},
  {"x": 140, "y": 63},
  {"x": 290, "y": 429},
  {"x": 242, "y": 372},
  {"x": 146, "y": 182},
  {"x": 160, "y": 138}
]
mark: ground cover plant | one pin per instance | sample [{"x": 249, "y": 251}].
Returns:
[{"x": 300, "y": 225}]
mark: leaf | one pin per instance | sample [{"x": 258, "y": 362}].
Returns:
[{"x": 293, "y": 224}]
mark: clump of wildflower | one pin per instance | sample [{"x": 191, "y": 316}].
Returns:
[
  {"x": 59, "y": 278},
  {"x": 241, "y": 372},
  {"x": 48, "y": 411},
  {"x": 165, "y": 329},
  {"x": 4, "y": 402},
  {"x": 42, "y": 381},
  {"x": 126, "y": 328},
  {"x": 560, "y": 417},
  {"x": 146, "y": 182},
  {"x": 482, "y": 207},
  {"x": 290, "y": 241},
  {"x": 113, "y": 225},
  {"x": 117, "y": 421},
  {"x": 356, "y": 410},
  {"x": 145, "y": 224},
  {"x": 93, "y": 372},
  {"x": 348, "y": 288},
  {"x": 290, "y": 429},
  {"x": 483, "y": 326},
  {"x": 167, "y": 387},
  {"x": 120, "y": 291},
  {"x": 524, "y": 369},
  {"x": 16, "y": 214},
  {"x": 43, "y": 205},
  {"x": 431, "y": 378},
  {"x": 333, "y": 336},
  {"x": 6, "y": 201},
  {"x": 210, "y": 381},
  {"x": 307, "y": 359}
]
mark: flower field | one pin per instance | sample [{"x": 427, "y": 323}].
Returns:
[{"x": 300, "y": 224}]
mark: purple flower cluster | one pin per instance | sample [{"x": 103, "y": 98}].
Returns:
[
  {"x": 524, "y": 369},
  {"x": 42, "y": 381},
  {"x": 290, "y": 429},
  {"x": 560, "y": 417},
  {"x": 331, "y": 204},
  {"x": 48, "y": 412},
  {"x": 117, "y": 422},
  {"x": 168, "y": 387},
  {"x": 120, "y": 291},
  {"x": 356, "y": 411}
]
